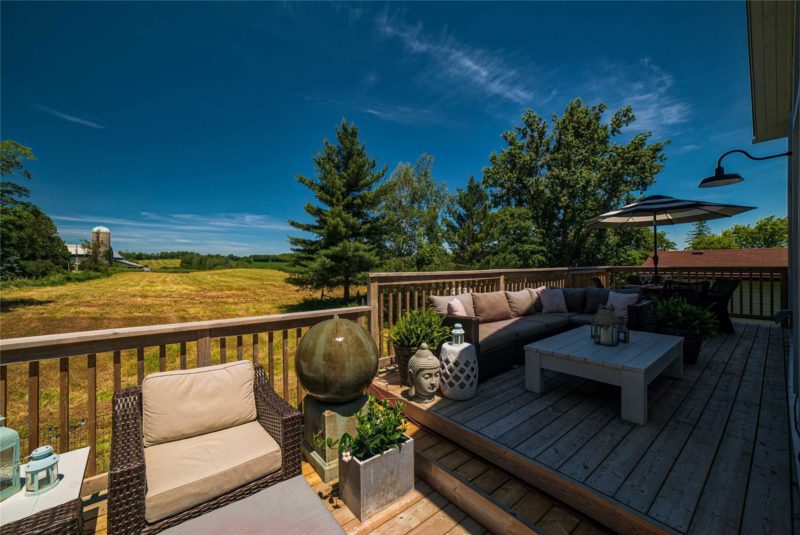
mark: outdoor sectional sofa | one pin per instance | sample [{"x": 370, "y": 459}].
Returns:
[{"x": 500, "y": 324}]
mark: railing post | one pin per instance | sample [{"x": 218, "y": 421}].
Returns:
[
  {"x": 502, "y": 283},
  {"x": 372, "y": 301},
  {"x": 203, "y": 349}
]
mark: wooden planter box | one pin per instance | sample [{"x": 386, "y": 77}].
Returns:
[{"x": 368, "y": 486}]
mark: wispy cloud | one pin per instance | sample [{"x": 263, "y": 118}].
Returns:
[
  {"x": 400, "y": 114},
  {"x": 186, "y": 222},
  {"x": 480, "y": 70},
  {"x": 67, "y": 117},
  {"x": 647, "y": 88}
]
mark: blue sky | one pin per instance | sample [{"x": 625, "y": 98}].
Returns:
[{"x": 182, "y": 125}]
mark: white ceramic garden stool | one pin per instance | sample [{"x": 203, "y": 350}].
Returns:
[{"x": 459, "y": 365}]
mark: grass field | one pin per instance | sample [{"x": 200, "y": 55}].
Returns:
[
  {"x": 160, "y": 263},
  {"x": 129, "y": 299}
]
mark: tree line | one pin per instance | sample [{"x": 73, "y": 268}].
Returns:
[
  {"x": 768, "y": 231},
  {"x": 527, "y": 210}
]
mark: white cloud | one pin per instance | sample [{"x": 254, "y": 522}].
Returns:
[
  {"x": 460, "y": 66},
  {"x": 67, "y": 117}
]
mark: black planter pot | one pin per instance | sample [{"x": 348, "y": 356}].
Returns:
[
  {"x": 691, "y": 346},
  {"x": 402, "y": 354}
]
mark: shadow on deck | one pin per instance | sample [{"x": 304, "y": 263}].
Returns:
[{"x": 714, "y": 456}]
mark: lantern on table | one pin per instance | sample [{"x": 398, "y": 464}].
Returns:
[
  {"x": 41, "y": 472},
  {"x": 623, "y": 333},
  {"x": 9, "y": 461},
  {"x": 604, "y": 326}
]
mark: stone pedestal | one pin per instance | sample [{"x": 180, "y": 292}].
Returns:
[{"x": 327, "y": 420}]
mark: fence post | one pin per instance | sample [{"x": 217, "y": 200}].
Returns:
[
  {"x": 502, "y": 283},
  {"x": 203, "y": 349},
  {"x": 372, "y": 302}
]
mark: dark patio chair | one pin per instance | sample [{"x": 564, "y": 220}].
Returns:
[
  {"x": 717, "y": 299},
  {"x": 597, "y": 282},
  {"x": 693, "y": 292}
]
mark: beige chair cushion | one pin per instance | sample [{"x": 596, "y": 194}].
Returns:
[
  {"x": 187, "y": 403},
  {"x": 520, "y": 303},
  {"x": 188, "y": 472},
  {"x": 496, "y": 334},
  {"x": 439, "y": 303},
  {"x": 491, "y": 306}
]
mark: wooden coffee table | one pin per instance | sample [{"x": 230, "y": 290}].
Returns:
[{"x": 630, "y": 366}]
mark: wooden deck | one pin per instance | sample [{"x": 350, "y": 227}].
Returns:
[
  {"x": 714, "y": 456},
  {"x": 452, "y": 480}
]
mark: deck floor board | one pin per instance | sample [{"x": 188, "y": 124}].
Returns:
[{"x": 714, "y": 456}]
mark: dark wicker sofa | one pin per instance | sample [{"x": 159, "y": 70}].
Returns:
[
  {"x": 127, "y": 476},
  {"x": 500, "y": 344}
]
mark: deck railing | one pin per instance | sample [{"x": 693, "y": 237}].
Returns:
[{"x": 57, "y": 388}]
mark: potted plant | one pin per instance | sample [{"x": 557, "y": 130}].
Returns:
[
  {"x": 694, "y": 323},
  {"x": 376, "y": 467},
  {"x": 419, "y": 326}
]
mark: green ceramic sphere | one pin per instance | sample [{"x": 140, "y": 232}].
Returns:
[{"x": 336, "y": 360}]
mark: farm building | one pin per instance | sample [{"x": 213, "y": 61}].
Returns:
[{"x": 101, "y": 236}]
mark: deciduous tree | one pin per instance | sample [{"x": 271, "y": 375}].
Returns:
[{"x": 345, "y": 231}]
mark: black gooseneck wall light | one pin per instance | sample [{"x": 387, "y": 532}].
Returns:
[{"x": 721, "y": 178}]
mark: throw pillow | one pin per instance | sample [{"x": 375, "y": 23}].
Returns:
[
  {"x": 456, "y": 308},
  {"x": 520, "y": 303},
  {"x": 553, "y": 300},
  {"x": 621, "y": 301},
  {"x": 537, "y": 303},
  {"x": 491, "y": 306},
  {"x": 594, "y": 298},
  {"x": 439, "y": 303}
]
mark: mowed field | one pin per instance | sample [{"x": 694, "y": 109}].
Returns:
[
  {"x": 160, "y": 263},
  {"x": 130, "y": 299},
  {"x": 146, "y": 298}
]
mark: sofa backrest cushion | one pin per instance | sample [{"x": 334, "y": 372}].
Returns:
[
  {"x": 621, "y": 301},
  {"x": 491, "y": 306},
  {"x": 575, "y": 298},
  {"x": 537, "y": 302},
  {"x": 553, "y": 300},
  {"x": 520, "y": 303},
  {"x": 594, "y": 298},
  {"x": 439, "y": 303},
  {"x": 186, "y": 403}
]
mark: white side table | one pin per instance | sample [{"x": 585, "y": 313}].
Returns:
[
  {"x": 459, "y": 367},
  {"x": 71, "y": 468}
]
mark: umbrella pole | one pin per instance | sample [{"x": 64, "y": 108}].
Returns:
[{"x": 655, "y": 249}]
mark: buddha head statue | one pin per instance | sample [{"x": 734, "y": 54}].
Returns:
[{"x": 424, "y": 375}]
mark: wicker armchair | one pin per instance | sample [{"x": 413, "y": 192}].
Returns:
[{"x": 127, "y": 483}]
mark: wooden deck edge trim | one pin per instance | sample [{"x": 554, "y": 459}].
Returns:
[
  {"x": 469, "y": 499},
  {"x": 95, "y": 484},
  {"x": 616, "y": 516}
]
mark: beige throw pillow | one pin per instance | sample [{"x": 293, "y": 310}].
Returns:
[
  {"x": 537, "y": 303},
  {"x": 553, "y": 301},
  {"x": 491, "y": 306},
  {"x": 621, "y": 302},
  {"x": 439, "y": 303},
  {"x": 456, "y": 308},
  {"x": 520, "y": 303}
]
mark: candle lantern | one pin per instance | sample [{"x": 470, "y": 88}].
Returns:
[
  {"x": 9, "y": 461},
  {"x": 41, "y": 472},
  {"x": 604, "y": 326},
  {"x": 623, "y": 333}
]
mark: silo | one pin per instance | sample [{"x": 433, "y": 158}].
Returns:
[{"x": 102, "y": 236}]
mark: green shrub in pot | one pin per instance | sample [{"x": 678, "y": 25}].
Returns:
[
  {"x": 675, "y": 316},
  {"x": 412, "y": 329}
]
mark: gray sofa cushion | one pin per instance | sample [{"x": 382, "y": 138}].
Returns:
[
  {"x": 575, "y": 298},
  {"x": 594, "y": 298},
  {"x": 551, "y": 321},
  {"x": 520, "y": 303},
  {"x": 491, "y": 306},
  {"x": 496, "y": 334},
  {"x": 439, "y": 303},
  {"x": 527, "y": 329},
  {"x": 581, "y": 319}
]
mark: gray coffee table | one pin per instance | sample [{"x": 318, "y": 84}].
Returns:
[{"x": 630, "y": 366}]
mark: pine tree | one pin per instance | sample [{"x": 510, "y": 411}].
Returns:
[
  {"x": 468, "y": 225},
  {"x": 699, "y": 229},
  {"x": 346, "y": 231}
]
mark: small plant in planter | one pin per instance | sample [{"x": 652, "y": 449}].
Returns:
[
  {"x": 376, "y": 467},
  {"x": 693, "y": 323},
  {"x": 413, "y": 329}
]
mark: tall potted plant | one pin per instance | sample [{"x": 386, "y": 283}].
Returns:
[
  {"x": 376, "y": 467},
  {"x": 413, "y": 329},
  {"x": 694, "y": 323}
]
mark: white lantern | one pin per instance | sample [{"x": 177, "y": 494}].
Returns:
[{"x": 41, "y": 472}]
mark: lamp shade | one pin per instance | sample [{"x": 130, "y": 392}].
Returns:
[{"x": 720, "y": 178}]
